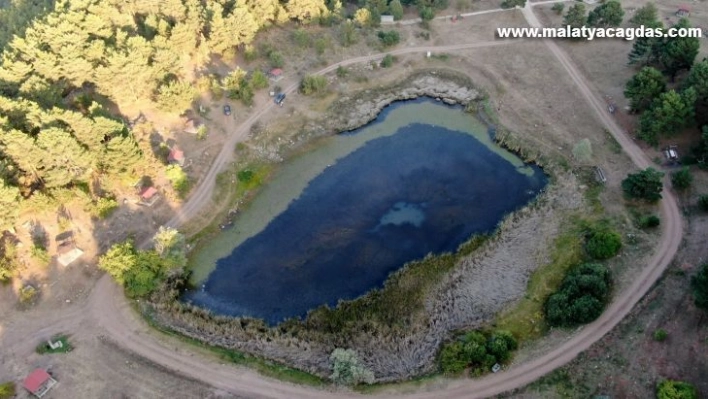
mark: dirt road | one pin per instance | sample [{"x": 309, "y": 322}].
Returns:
[{"x": 109, "y": 308}]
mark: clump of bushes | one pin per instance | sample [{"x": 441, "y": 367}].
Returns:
[
  {"x": 389, "y": 38},
  {"x": 478, "y": 351},
  {"x": 670, "y": 389},
  {"x": 347, "y": 369},
  {"x": 649, "y": 221},
  {"x": 682, "y": 179},
  {"x": 103, "y": 207},
  {"x": 602, "y": 242},
  {"x": 581, "y": 297},
  {"x": 313, "y": 84},
  {"x": 644, "y": 185},
  {"x": 660, "y": 335},
  {"x": 7, "y": 390},
  {"x": 703, "y": 202},
  {"x": 387, "y": 61},
  {"x": 513, "y": 3}
]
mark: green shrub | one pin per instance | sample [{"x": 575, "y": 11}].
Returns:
[
  {"x": 649, "y": 221},
  {"x": 682, "y": 179},
  {"x": 477, "y": 350},
  {"x": 347, "y": 369},
  {"x": 258, "y": 80},
  {"x": 387, "y": 61},
  {"x": 313, "y": 84},
  {"x": 342, "y": 72},
  {"x": 581, "y": 297},
  {"x": 7, "y": 390},
  {"x": 514, "y": 3},
  {"x": 389, "y": 38},
  {"x": 558, "y": 8},
  {"x": 104, "y": 207},
  {"x": 660, "y": 335},
  {"x": 645, "y": 185},
  {"x": 703, "y": 202},
  {"x": 179, "y": 179},
  {"x": 699, "y": 287},
  {"x": 276, "y": 59},
  {"x": 245, "y": 176},
  {"x": 670, "y": 389},
  {"x": 603, "y": 244}
]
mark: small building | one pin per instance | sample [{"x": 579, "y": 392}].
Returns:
[
  {"x": 39, "y": 382},
  {"x": 67, "y": 253},
  {"x": 192, "y": 126},
  {"x": 176, "y": 156},
  {"x": 275, "y": 74},
  {"x": 387, "y": 19},
  {"x": 148, "y": 196},
  {"x": 683, "y": 12}
]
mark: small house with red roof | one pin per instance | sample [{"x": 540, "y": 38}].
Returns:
[
  {"x": 275, "y": 74},
  {"x": 683, "y": 12},
  {"x": 39, "y": 382},
  {"x": 148, "y": 196},
  {"x": 176, "y": 156}
]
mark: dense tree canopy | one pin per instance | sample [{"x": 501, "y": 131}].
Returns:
[
  {"x": 478, "y": 351},
  {"x": 609, "y": 13},
  {"x": 68, "y": 57},
  {"x": 575, "y": 16},
  {"x": 646, "y": 16},
  {"x": 581, "y": 297},
  {"x": 668, "y": 114},
  {"x": 644, "y": 88},
  {"x": 645, "y": 185}
]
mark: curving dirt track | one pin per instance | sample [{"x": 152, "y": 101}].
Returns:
[{"x": 109, "y": 308}]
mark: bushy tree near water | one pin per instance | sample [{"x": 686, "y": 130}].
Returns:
[
  {"x": 581, "y": 297},
  {"x": 478, "y": 351},
  {"x": 347, "y": 368},
  {"x": 603, "y": 243}
]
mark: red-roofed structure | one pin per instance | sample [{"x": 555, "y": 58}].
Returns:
[
  {"x": 275, "y": 74},
  {"x": 176, "y": 156},
  {"x": 148, "y": 192},
  {"x": 39, "y": 382},
  {"x": 683, "y": 11}
]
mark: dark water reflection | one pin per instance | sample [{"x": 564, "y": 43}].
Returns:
[{"x": 423, "y": 190}]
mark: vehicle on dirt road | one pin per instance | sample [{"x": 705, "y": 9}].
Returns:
[
  {"x": 279, "y": 99},
  {"x": 227, "y": 110}
]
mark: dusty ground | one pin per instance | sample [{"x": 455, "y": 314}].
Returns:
[{"x": 516, "y": 112}]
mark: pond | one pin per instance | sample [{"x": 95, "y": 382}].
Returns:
[{"x": 335, "y": 222}]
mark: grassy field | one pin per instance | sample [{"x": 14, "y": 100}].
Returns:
[{"x": 526, "y": 320}]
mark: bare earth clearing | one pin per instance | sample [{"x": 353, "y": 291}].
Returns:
[{"x": 105, "y": 313}]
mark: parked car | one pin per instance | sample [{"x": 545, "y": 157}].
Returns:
[
  {"x": 227, "y": 110},
  {"x": 279, "y": 99}
]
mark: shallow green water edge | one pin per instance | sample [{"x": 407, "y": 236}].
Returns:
[{"x": 292, "y": 177}]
